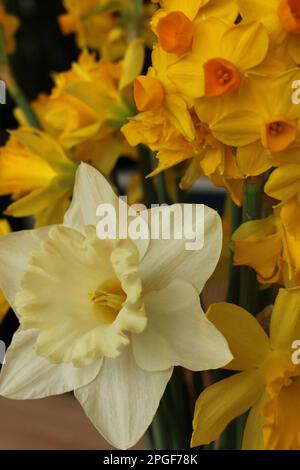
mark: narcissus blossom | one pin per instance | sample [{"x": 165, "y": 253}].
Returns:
[
  {"x": 9, "y": 25},
  {"x": 281, "y": 18},
  {"x": 175, "y": 22},
  {"x": 268, "y": 382},
  {"x": 263, "y": 124},
  {"x": 4, "y": 305},
  {"x": 216, "y": 67},
  {"x": 38, "y": 173},
  {"x": 89, "y": 104},
  {"x": 108, "y": 319},
  {"x": 271, "y": 246}
]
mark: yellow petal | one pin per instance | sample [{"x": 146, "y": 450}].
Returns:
[
  {"x": 237, "y": 129},
  {"x": 285, "y": 321},
  {"x": 290, "y": 216},
  {"x": 220, "y": 403},
  {"x": 133, "y": 63},
  {"x": 180, "y": 116},
  {"x": 284, "y": 182},
  {"x": 247, "y": 340},
  {"x": 246, "y": 56},
  {"x": 253, "y": 159},
  {"x": 4, "y": 306},
  {"x": 258, "y": 244},
  {"x": 253, "y": 434}
]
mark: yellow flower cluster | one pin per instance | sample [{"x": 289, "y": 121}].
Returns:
[
  {"x": 227, "y": 112},
  {"x": 101, "y": 24},
  {"x": 81, "y": 121}
]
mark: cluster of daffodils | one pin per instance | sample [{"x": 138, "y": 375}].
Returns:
[{"x": 111, "y": 319}]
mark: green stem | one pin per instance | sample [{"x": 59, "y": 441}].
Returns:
[
  {"x": 252, "y": 210},
  {"x": 149, "y": 193},
  {"x": 161, "y": 189},
  {"x": 22, "y": 102},
  {"x": 234, "y": 271},
  {"x": 171, "y": 427}
]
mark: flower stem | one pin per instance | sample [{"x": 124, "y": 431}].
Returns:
[
  {"x": 150, "y": 195},
  {"x": 252, "y": 210}
]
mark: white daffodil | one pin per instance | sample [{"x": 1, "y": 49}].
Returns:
[{"x": 107, "y": 319}]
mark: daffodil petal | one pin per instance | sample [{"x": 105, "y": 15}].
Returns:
[
  {"x": 284, "y": 182},
  {"x": 253, "y": 159},
  {"x": 178, "y": 333},
  {"x": 122, "y": 400},
  {"x": 253, "y": 433},
  {"x": 247, "y": 123},
  {"x": 220, "y": 403},
  {"x": 247, "y": 340},
  {"x": 245, "y": 34},
  {"x": 28, "y": 376},
  {"x": 285, "y": 322},
  {"x": 169, "y": 259},
  {"x": 90, "y": 191},
  {"x": 15, "y": 249},
  {"x": 133, "y": 62}
]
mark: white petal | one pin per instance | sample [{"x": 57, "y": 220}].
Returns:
[
  {"x": 28, "y": 376},
  {"x": 167, "y": 260},
  {"x": 178, "y": 333},
  {"x": 122, "y": 401},
  {"x": 15, "y": 249},
  {"x": 90, "y": 191}
]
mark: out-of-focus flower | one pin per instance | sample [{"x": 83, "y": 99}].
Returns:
[
  {"x": 107, "y": 25},
  {"x": 128, "y": 313},
  {"x": 97, "y": 24},
  {"x": 268, "y": 382},
  {"x": 89, "y": 104},
  {"x": 4, "y": 305},
  {"x": 9, "y": 25},
  {"x": 35, "y": 170},
  {"x": 281, "y": 18}
]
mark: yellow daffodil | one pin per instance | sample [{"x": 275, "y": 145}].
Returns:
[
  {"x": 128, "y": 313},
  {"x": 216, "y": 67},
  {"x": 271, "y": 247},
  {"x": 155, "y": 91},
  {"x": 175, "y": 23},
  {"x": 36, "y": 171},
  {"x": 88, "y": 106},
  {"x": 4, "y": 305},
  {"x": 268, "y": 382},
  {"x": 9, "y": 25},
  {"x": 264, "y": 124},
  {"x": 97, "y": 25},
  {"x": 280, "y": 17}
]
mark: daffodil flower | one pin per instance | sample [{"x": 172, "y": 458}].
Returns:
[
  {"x": 108, "y": 319},
  {"x": 268, "y": 382},
  {"x": 4, "y": 305},
  {"x": 216, "y": 67},
  {"x": 271, "y": 246},
  {"x": 175, "y": 23},
  {"x": 9, "y": 24},
  {"x": 281, "y": 18},
  {"x": 37, "y": 172},
  {"x": 263, "y": 124}
]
